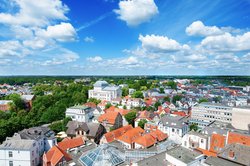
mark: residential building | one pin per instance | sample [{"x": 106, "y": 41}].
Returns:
[
  {"x": 68, "y": 143},
  {"x": 123, "y": 112},
  {"x": 111, "y": 120},
  {"x": 56, "y": 157},
  {"x": 15, "y": 152},
  {"x": 128, "y": 138},
  {"x": 28, "y": 99},
  {"x": 147, "y": 115},
  {"x": 174, "y": 126},
  {"x": 80, "y": 113},
  {"x": 103, "y": 91},
  {"x": 43, "y": 135},
  {"x": 181, "y": 156},
  {"x": 91, "y": 131},
  {"x": 113, "y": 135},
  {"x": 131, "y": 102},
  {"x": 195, "y": 140},
  {"x": 5, "y": 105}
]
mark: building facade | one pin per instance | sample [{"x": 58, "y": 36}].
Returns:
[
  {"x": 103, "y": 91},
  {"x": 80, "y": 113}
]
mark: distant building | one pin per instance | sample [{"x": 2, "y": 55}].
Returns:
[
  {"x": 80, "y": 113},
  {"x": 28, "y": 99},
  {"x": 5, "y": 105},
  {"x": 19, "y": 153},
  {"x": 195, "y": 140},
  {"x": 103, "y": 91}
]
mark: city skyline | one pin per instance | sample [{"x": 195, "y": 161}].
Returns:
[{"x": 136, "y": 37}]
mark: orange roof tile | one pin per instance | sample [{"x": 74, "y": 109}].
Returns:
[
  {"x": 109, "y": 116},
  {"x": 120, "y": 110},
  {"x": 146, "y": 140},
  {"x": 159, "y": 135},
  {"x": 217, "y": 142},
  {"x": 180, "y": 113},
  {"x": 131, "y": 135},
  {"x": 207, "y": 152},
  {"x": 112, "y": 135},
  {"x": 71, "y": 143},
  {"x": 54, "y": 155},
  {"x": 238, "y": 138}
]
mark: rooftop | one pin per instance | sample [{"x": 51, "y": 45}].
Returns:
[
  {"x": 215, "y": 161},
  {"x": 17, "y": 144},
  {"x": 183, "y": 154}
]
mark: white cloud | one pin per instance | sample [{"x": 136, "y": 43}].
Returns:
[
  {"x": 160, "y": 43},
  {"x": 129, "y": 61},
  {"x": 135, "y": 12},
  {"x": 188, "y": 58},
  {"x": 35, "y": 43},
  {"x": 61, "y": 32},
  {"x": 94, "y": 59},
  {"x": 89, "y": 39},
  {"x": 197, "y": 28},
  {"x": 13, "y": 48},
  {"x": 32, "y": 13},
  {"x": 227, "y": 42},
  {"x": 66, "y": 56}
]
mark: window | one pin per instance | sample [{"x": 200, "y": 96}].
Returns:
[
  {"x": 10, "y": 163},
  {"x": 201, "y": 140},
  {"x": 10, "y": 154},
  {"x": 172, "y": 130}
]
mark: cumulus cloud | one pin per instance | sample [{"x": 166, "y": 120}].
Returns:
[
  {"x": 89, "y": 39},
  {"x": 94, "y": 59},
  {"x": 32, "y": 13},
  {"x": 188, "y": 58},
  {"x": 135, "y": 12},
  {"x": 197, "y": 28},
  {"x": 13, "y": 48},
  {"x": 129, "y": 61},
  {"x": 160, "y": 43},
  {"x": 61, "y": 32},
  {"x": 227, "y": 42}
]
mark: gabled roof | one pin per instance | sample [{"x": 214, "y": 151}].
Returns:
[
  {"x": 238, "y": 138},
  {"x": 158, "y": 134},
  {"x": 146, "y": 140},
  {"x": 120, "y": 110},
  {"x": 145, "y": 115},
  {"x": 90, "y": 104},
  {"x": 71, "y": 143},
  {"x": 130, "y": 136},
  {"x": 109, "y": 117},
  {"x": 54, "y": 155},
  {"x": 112, "y": 135},
  {"x": 217, "y": 142}
]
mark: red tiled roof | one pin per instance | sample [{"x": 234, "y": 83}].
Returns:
[
  {"x": 110, "y": 117},
  {"x": 180, "y": 113},
  {"x": 54, "y": 155},
  {"x": 71, "y": 143},
  {"x": 112, "y": 135},
  {"x": 207, "y": 152},
  {"x": 217, "y": 142},
  {"x": 130, "y": 136},
  {"x": 159, "y": 135},
  {"x": 120, "y": 110},
  {"x": 146, "y": 140},
  {"x": 238, "y": 138}
]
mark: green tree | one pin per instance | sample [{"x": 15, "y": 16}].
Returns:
[
  {"x": 166, "y": 99},
  {"x": 162, "y": 90},
  {"x": 137, "y": 94},
  {"x": 193, "y": 127},
  {"x": 108, "y": 105},
  {"x": 94, "y": 100},
  {"x": 130, "y": 117},
  {"x": 157, "y": 104},
  {"x": 125, "y": 91},
  {"x": 142, "y": 123},
  {"x": 203, "y": 100},
  {"x": 176, "y": 98}
]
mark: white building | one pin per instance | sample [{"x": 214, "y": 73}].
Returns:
[
  {"x": 131, "y": 102},
  {"x": 19, "y": 153},
  {"x": 80, "y": 113},
  {"x": 175, "y": 126},
  {"x": 103, "y": 91},
  {"x": 241, "y": 118},
  {"x": 194, "y": 140},
  {"x": 205, "y": 113}
]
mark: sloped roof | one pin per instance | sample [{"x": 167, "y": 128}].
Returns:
[
  {"x": 238, "y": 138},
  {"x": 55, "y": 154},
  {"x": 131, "y": 135},
  {"x": 112, "y": 135},
  {"x": 110, "y": 117},
  {"x": 146, "y": 140},
  {"x": 71, "y": 143}
]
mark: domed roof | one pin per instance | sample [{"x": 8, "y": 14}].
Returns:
[{"x": 101, "y": 84}]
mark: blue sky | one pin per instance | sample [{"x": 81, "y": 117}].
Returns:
[{"x": 135, "y": 37}]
